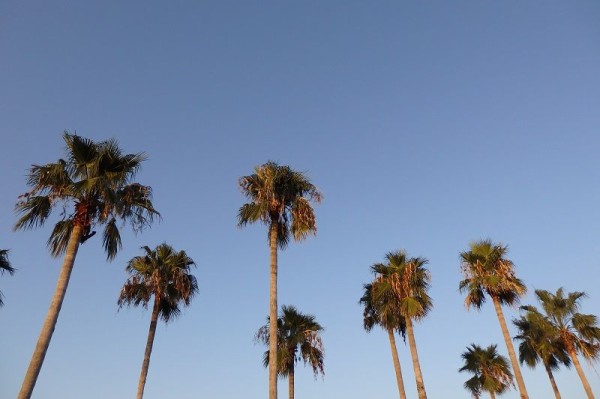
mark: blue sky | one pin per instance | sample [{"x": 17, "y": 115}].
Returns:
[{"x": 426, "y": 125}]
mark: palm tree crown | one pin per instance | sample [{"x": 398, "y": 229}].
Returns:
[
  {"x": 491, "y": 372},
  {"x": 299, "y": 339},
  {"x": 95, "y": 180},
  {"x": 486, "y": 270},
  {"x": 383, "y": 311},
  {"x": 539, "y": 342},
  {"x": 279, "y": 196},
  {"x": 164, "y": 274},
  {"x": 407, "y": 280},
  {"x": 5, "y": 267}
]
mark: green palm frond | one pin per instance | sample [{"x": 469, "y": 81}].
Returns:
[
  {"x": 58, "y": 240},
  {"x": 111, "y": 239},
  {"x": 5, "y": 267}
]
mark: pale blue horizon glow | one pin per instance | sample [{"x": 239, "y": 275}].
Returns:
[{"x": 426, "y": 125}]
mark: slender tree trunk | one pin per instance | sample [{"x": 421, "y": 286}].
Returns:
[
  {"x": 148, "y": 352},
  {"x": 584, "y": 381},
  {"x": 273, "y": 313},
  {"x": 552, "y": 381},
  {"x": 37, "y": 359},
  {"x": 511, "y": 350},
  {"x": 396, "y": 363},
  {"x": 492, "y": 395},
  {"x": 291, "y": 381},
  {"x": 410, "y": 333}
]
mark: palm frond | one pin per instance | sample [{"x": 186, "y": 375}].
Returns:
[{"x": 59, "y": 238}]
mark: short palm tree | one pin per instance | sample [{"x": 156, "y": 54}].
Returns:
[
  {"x": 487, "y": 271},
  {"x": 280, "y": 198},
  {"x": 92, "y": 187},
  {"x": 578, "y": 333},
  {"x": 162, "y": 273},
  {"x": 491, "y": 372},
  {"x": 407, "y": 280},
  {"x": 298, "y": 339},
  {"x": 383, "y": 311},
  {"x": 4, "y": 267},
  {"x": 539, "y": 343}
]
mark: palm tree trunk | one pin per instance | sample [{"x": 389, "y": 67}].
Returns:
[
  {"x": 511, "y": 349},
  {"x": 492, "y": 395},
  {"x": 37, "y": 359},
  {"x": 415, "y": 358},
  {"x": 584, "y": 381},
  {"x": 552, "y": 381},
  {"x": 148, "y": 352},
  {"x": 396, "y": 364},
  {"x": 273, "y": 313},
  {"x": 291, "y": 381}
]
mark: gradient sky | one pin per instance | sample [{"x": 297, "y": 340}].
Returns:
[{"x": 426, "y": 125}]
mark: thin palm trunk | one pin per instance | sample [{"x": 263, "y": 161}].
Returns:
[
  {"x": 492, "y": 395},
  {"x": 148, "y": 352},
  {"x": 396, "y": 364},
  {"x": 37, "y": 359},
  {"x": 291, "y": 381},
  {"x": 273, "y": 314},
  {"x": 511, "y": 349},
  {"x": 552, "y": 381},
  {"x": 584, "y": 381},
  {"x": 415, "y": 359}
]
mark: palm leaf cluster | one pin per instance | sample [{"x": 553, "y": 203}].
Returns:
[
  {"x": 162, "y": 273},
  {"x": 299, "y": 340},
  {"x": 491, "y": 371},
  {"x": 282, "y": 197},
  {"x": 93, "y": 186}
]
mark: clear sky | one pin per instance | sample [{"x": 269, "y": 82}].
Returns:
[{"x": 426, "y": 125}]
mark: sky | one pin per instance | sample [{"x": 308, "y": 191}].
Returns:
[{"x": 426, "y": 125}]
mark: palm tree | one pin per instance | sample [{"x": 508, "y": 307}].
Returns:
[
  {"x": 539, "y": 343},
  {"x": 281, "y": 199},
  {"x": 491, "y": 372},
  {"x": 162, "y": 273},
  {"x": 5, "y": 267},
  {"x": 298, "y": 340},
  {"x": 93, "y": 187},
  {"x": 576, "y": 332},
  {"x": 487, "y": 271},
  {"x": 384, "y": 312},
  {"x": 407, "y": 280}
]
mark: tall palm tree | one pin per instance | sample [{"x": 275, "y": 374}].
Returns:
[
  {"x": 298, "y": 339},
  {"x": 162, "y": 273},
  {"x": 539, "y": 343},
  {"x": 384, "y": 312},
  {"x": 92, "y": 187},
  {"x": 487, "y": 271},
  {"x": 408, "y": 281},
  {"x": 491, "y": 372},
  {"x": 5, "y": 267},
  {"x": 578, "y": 333},
  {"x": 281, "y": 199}
]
